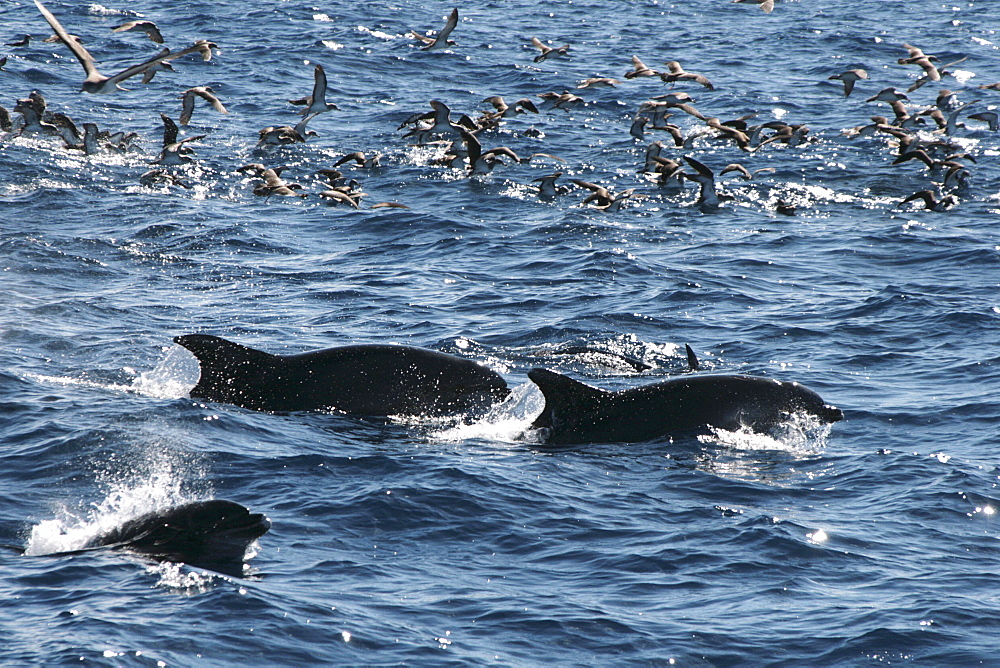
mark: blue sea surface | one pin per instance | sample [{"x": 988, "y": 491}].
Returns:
[{"x": 872, "y": 541}]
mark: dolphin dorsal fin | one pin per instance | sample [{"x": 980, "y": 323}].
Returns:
[
  {"x": 211, "y": 350},
  {"x": 221, "y": 362},
  {"x": 693, "y": 363},
  {"x": 565, "y": 399}
]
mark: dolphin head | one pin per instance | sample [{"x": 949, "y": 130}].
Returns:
[
  {"x": 802, "y": 398},
  {"x": 202, "y": 532}
]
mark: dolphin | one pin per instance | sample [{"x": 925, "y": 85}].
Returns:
[
  {"x": 212, "y": 534},
  {"x": 364, "y": 380},
  {"x": 579, "y": 413}
]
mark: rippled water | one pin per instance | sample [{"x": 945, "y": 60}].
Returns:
[{"x": 414, "y": 542}]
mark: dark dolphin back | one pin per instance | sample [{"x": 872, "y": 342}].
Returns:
[
  {"x": 377, "y": 380},
  {"x": 578, "y": 413}
]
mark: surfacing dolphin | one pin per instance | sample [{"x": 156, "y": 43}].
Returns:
[
  {"x": 366, "y": 380},
  {"x": 579, "y": 413},
  {"x": 210, "y": 534}
]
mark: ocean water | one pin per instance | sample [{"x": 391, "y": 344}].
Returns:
[{"x": 873, "y": 541}]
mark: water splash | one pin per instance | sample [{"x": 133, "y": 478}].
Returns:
[
  {"x": 801, "y": 433},
  {"x": 172, "y": 378},
  {"x": 507, "y": 422},
  {"x": 144, "y": 488}
]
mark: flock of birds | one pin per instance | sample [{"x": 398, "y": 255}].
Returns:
[{"x": 921, "y": 136}]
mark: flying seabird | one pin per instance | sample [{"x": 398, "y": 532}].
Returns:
[
  {"x": 988, "y": 117},
  {"x": 560, "y": 100},
  {"x": 441, "y": 38},
  {"x": 639, "y": 69},
  {"x": 204, "y": 92},
  {"x": 548, "y": 51},
  {"x": 931, "y": 202},
  {"x": 148, "y": 27},
  {"x": 598, "y": 82},
  {"x": 708, "y": 196},
  {"x": 887, "y": 95},
  {"x": 163, "y": 66},
  {"x": 95, "y": 81},
  {"x": 940, "y": 71},
  {"x": 849, "y": 77},
  {"x": 766, "y": 5},
  {"x": 315, "y": 102},
  {"x": 677, "y": 73}
]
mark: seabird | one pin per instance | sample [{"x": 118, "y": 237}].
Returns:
[
  {"x": 503, "y": 109},
  {"x": 205, "y": 48},
  {"x": 148, "y": 27},
  {"x": 204, "y": 92},
  {"x": 547, "y": 188},
  {"x": 31, "y": 109},
  {"x": 164, "y": 66},
  {"x": 361, "y": 160},
  {"x": 273, "y": 183},
  {"x": 992, "y": 86},
  {"x": 548, "y": 51},
  {"x": 174, "y": 152},
  {"x": 784, "y": 208},
  {"x": 688, "y": 109},
  {"x": 480, "y": 161},
  {"x": 315, "y": 102},
  {"x": 677, "y": 73},
  {"x": 931, "y": 202},
  {"x": 739, "y": 169},
  {"x": 95, "y": 81},
  {"x": 561, "y": 100},
  {"x": 67, "y": 130},
  {"x": 766, "y": 5},
  {"x": 3, "y": 62},
  {"x": 161, "y": 177},
  {"x": 334, "y": 196},
  {"x": 24, "y": 41},
  {"x": 674, "y": 98},
  {"x": 441, "y": 39},
  {"x": 849, "y": 78},
  {"x": 602, "y": 197},
  {"x": 639, "y": 69},
  {"x": 598, "y": 82},
  {"x": 915, "y": 54},
  {"x": 6, "y": 122},
  {"x": 988, "y": 117},
  {"x": 918, "y": 57},
  {"x": 708, "y": 196},
  {"x": 286, "y": 134},
  {"x": 637, "y": 129},
  {"x": 940, "y": 71},
  {"x": 887, "y": 95},
  {"x": 741, "y": 138}
]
